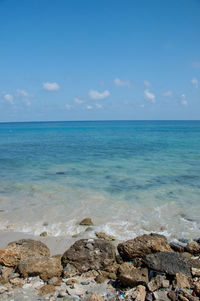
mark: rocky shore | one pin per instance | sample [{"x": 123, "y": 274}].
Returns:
[{"x": 147, "y": 267}]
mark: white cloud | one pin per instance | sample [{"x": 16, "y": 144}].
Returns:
[
  {"x": 9, "y": 98},
  {"x": 167, "y": 94},
  {"x": 89, "y": 107},
  {"x": 183, "y": 100},
  {"x": 196, "y": 65},
  {"x": 24, "y": 96},
  {"x": 95, "y": 95},
  {"x": 68, "y": 107},
  {"x": 122, "y": 83},
  {"x": 99, "y": 106},
  {"x": 78, "y": 100},
  {"x": 51, "y": 86},
  {"x": 195, "y": 82},
  {"x": 150, "y": 96},
  {"x": 147, "y": 83}
]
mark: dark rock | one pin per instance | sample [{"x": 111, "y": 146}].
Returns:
[
  {"x": 143, "y": 245},
  {"x": 176, "y": 247},
  {"x": 86, "y": 222},
  {"x": 172, "y": 296},
  {"x": 89, "y": 254},
  {"x": 170, "y": 263},
  {"x": 130, "y": 276},
  {"x": 45, "y": 267},
  {"x": 43, "y": 234}
]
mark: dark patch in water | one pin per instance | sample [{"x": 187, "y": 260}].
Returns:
[{"x": 61, "y": 173}]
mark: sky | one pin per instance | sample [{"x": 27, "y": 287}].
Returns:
[{"x": 99, "y": 60}]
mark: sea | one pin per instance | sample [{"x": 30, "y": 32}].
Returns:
[{"x": 130, "y": 177}]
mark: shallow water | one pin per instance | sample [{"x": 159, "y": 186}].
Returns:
[{"x": 131, "y": 177}]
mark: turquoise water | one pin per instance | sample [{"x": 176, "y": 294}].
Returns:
[{"x": 131, "y": 177}]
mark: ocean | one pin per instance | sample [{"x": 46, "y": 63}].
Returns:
[{"x": 130, "y": 177}]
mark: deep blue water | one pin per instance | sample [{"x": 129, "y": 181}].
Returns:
[{"x": 131, "y": 176}]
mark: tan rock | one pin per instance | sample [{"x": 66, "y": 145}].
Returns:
[
  {"x": 193, "y": 247},
  {"x": 158, "y": 282},
  {"x": 72, "y": 282},
  {"x": 181, "y": 281},
  {"x": 21, "y": 249},
  {"x": 195, "y": 272},
  {"x": 56, "y": 281},
  {"x": 131, "y": 276},
  {"x": 182, "y": 298},
  {"x": 6, "y": 273},
  {"x": 105, "y": 236},
  {"x": 143, "y": 245},
  {"x": 86, "y": 222},
  {"x": 17, "y": 282},
  {"x": 101, "y": 279},
  {"x": 45, "y": 267},
  {"x": 197, "y": 288},
  {"x": 47, "y": 289},
  {"x": 9, "y": 258},
  {"x": 140, "y": 293},
  {"x": 95, "y": 297}
]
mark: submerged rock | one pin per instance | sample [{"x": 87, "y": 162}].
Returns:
[
  {"x": 43, "y": 234},
  {"x": 45, "y": 267},
  {"x": 86, "y": 222},
  {"x": 170, "y": 263},
  {"x": 131, "y": 276},
  {"x": 89, "y": 254},
  {"x": 143, "y": 245},
  {"x": 105, "y": 236}
]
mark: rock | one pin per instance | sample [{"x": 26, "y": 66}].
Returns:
[
  {"x": 176, "y": 247},
  {"x": 6, "y": 273},
  {"x": 90, "y": 274},
  {"x": 70, "y": 271},
  {"x": 195, "y": 272},
  {"x": 9, "y": 258},
  {"x": 143, "y": 245},
  {"x": 21, "y": 249},
  {"x": 100, "y": 279},
  {"x": 45, "y": 267},
  {"x": 3, "y": 289},
  {"x": 193, "y": 247},
  {"x": 197, "y": 288},
  {"x": 182, "y": 298},
  {"x": 131, "y": 276},
  {"x": 140, "y": 293},
  {"x": 77, "y": 289},
  {"x": 170, "y": 263},
  {"x": 43, "y": 234},
  {"x": 56, "y": 281},
  {"x": 161, "y": 296},
  {"x": 149, "y": 297},
  {"x": 71, "y": 282},
  {"x": 89, "y": 254},
  {"x": 172, "y": 296},
  {"x": 95, "y": 297},
  {"x": 18, "y": 282},
  {"x": 105, "y": 236},
  {"x": 158, "y": 282},
  {"x": 181, "y": 281},
  {"x": 46, "y": 290},
  {"x": 86, "y": 222}
]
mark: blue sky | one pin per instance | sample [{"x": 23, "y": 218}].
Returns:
[{"x": 99, "y": 59}]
